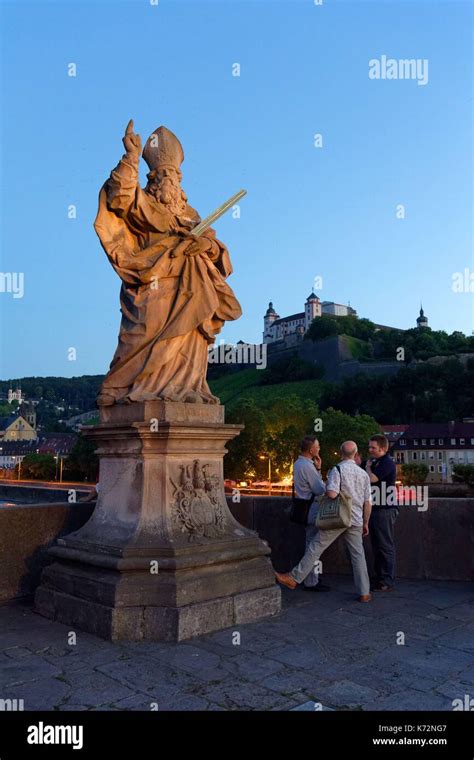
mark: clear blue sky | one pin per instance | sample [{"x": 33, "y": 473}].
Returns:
[{"x": 309, "y": 211}]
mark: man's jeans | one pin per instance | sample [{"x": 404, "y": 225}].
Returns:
[
  {"x": 312, "y": 579},
  {"x": 323, "y": 539},
  {"x": 382, "y": 537}
]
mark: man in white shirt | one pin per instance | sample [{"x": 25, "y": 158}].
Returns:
[
  {"x": 309, "y": 485},
  {"x": 355, "y": 483}
]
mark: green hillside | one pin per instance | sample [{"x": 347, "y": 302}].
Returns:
[{"x": 235, "y": 387}]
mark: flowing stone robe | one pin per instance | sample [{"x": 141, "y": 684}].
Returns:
[{"x": 172, "y": 304}]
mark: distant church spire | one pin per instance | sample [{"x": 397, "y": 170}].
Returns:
[{"x": 422, "y": 321}]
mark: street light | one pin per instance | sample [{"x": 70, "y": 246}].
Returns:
[{"x": 263, "y": 456}]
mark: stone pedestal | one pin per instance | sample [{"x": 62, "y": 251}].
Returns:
[{"x": 161, "y": 557}]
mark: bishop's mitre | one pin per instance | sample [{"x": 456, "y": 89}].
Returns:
[{"x": 163, "y": 149}]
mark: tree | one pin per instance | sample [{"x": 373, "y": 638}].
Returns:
[
  {"x": 414, "y": 474},
  {"x": 323, "y": 327},
  {"x": 288, "y": 419},
  {"x": 38, "y": 466},
  {"x": 291, "y": 369},
  {"x": 338, "y": 427},
  {"x": 6, "y": 409},
  {"x": 82, "y": 463},
  {"x": 464, "y": 473},
  {"x": 241, "y": 459},
  {"x": 275, "y": 427},
  {"x": 425, "y": 393}
]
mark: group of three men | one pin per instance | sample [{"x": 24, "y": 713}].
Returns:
[{"x": 372, "y": 517}]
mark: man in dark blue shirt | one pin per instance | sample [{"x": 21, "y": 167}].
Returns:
[{"x": 382, "y": 472}]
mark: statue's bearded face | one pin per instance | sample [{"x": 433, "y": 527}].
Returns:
[{"x": 165, "y": 186}]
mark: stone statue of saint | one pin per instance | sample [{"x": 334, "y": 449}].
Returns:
[{"x": 174, "y": 296}]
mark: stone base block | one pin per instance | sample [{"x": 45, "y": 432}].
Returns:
[{"x": 158, "y": 623}]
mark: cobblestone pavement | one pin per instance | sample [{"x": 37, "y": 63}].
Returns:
[{"x": 323, "y": 649}]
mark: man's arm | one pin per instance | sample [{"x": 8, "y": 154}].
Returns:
[
  {"x": 367, "y": 508},
  {"x": 333, "y": 487},
  {"x": 368, "y": 469},
  {"x": 383, "y": 471},
  {"x": 91, "y": 497},
  {"x": 367, "y": 511},
  {"x": 315, "y": 481}
]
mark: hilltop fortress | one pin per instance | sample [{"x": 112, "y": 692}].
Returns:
[{"x": 284, "y": 336}]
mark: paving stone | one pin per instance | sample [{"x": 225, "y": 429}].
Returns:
[
  {"x": 73, "y": 661},
  {"x": 344, "y": 647},
  {"x": 299, "y": 656},
  {"x": 416, "y": 667},
  {"x": 17, "y": 653},
  {"x": 312, "y": 707},
  {"x": 233, "y": 695},
  {"x": 348, "y": 619},
  {"x": 184, "y": 702},
  {"x": 346, "y": 694},
  {"x": 26, "y": 670},
  {"x": 93, "y": 688},
  {"x": 445, "y": 597},
  {"x": 463, "y": 611},
  {"x": 392, "y": 679},
  {"x": 461, "y": 638},
  {"x": 409, "y": 699},
  {"x": 413, "y": 625},
  {"x": 147, "y": 648},
  {"x": 295, "y": 683},
  {"x": 144, "y": 675},
  {"x": 43, "y": 694},
  {"x": 456, "y": 689},
  {"x": 191, "y": 659},
  {"x": 252, "y": 667},
  {"x": 142, "y": 702},
  {"x": 467, "y": 675},
  {"x": 221, "y": 643},
  {"x": 175, "y": 703}
]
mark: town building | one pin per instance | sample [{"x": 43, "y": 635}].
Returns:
[
  {"x": 12, "y": 452},
  {"x": 15, "y": 395},
  {"x": 438, "y": 445},
  {"x": 16, "y": 428}
]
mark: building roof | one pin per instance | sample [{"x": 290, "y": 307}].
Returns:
[
  {"x": 393, "y": 432},
  {"x": 436, "y": 430},
  {"x": 5, "y": 422},
  {"x": 313, "y": 297},
  {"x": 56, "y": 442},
  {"x": 289, "y": 319},
  {"x": 387, "y": 327},
  {"x": 270, "y": 309},
  {"x": 15, "y": 448},
  {"x": 46, "y": 443}
]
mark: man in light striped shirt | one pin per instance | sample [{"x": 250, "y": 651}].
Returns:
[
  {"x": 309, "y": 485},
  {"x": 354, "y": 482}
]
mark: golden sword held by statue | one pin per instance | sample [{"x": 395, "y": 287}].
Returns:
[{"x": 220, "y": 211}]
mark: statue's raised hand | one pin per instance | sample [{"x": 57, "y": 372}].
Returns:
[{"x": 132, "y": 141}]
